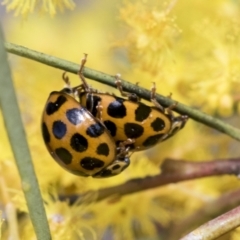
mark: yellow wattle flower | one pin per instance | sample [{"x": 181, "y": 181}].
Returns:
[{"x": 25, "y": 7}]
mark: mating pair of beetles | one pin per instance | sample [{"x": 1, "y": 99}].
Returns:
[{"x": 94, "y": 135}]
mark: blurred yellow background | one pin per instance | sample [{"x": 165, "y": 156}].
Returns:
[{"x": 189, "y": 48}]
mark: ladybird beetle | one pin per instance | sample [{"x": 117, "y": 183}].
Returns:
[
  {"x": 77, "y": 140},
  {"x": 129, "y": 119}
]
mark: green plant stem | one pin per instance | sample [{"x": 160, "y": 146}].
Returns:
[
  {"x": 110, "y": 80},
  {"x": 17, "y": 138}
]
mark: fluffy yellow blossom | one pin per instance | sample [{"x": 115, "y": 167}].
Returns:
[
  {"x": 24, "y": 7},
  {"x": 65, "y": 221},
  {"x": 69, "y": 222},
  {"x": 151, "y": 34},
  {"x": 195, "y": 55},
  {"x": 218, "y": 74}
]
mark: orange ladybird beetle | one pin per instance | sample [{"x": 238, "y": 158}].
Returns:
[
  {"x": 77, "y": 140},
  {"x": 130, "y": 121}
]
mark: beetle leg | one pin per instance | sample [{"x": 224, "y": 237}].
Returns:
[
  {"x": 73, "y": 91},
  {"x": 159, "y": 106},
  {"x": 99, "y": 108},
  {"x": 177, "y": 122},
  {"x": 80, "y": 73},
  {"x": 131, "y": 96},
  {"x": 68, "y": 88},
  {"x": 153, "y": 98},
  {"x": 66, "y": 79},
  {"x": 124, "y": 146},
  {"x": 171, "y": 107}
]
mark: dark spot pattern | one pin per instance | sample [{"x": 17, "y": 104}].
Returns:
[
  {"x": 95, "y": 130},
  {"x": 53, "y": 107},
  {"x": 158, "y": 124},
  {"x": 103, "y": 149},
  {"x": 75, "y": 115},
  {"x": 104, "y": 173},
  {"x": 116, "y": 109},
  {"x": 142, "y": 112},
  {"x": 92, "y": 102},
  {"x": 111, "y": 126},
  {"x": 133, "y": 130},
  {"x": 90, "y": 163},
  {"x": 150, "y": 141},
  {"x": 78, "y": 142},
  {"x": 64, "y": 155},
  {"x": 45, "y": 133},
  {"x": 67, "y": 90},
  {"x": 59, "y": 129},
  {"x": 115, "y": 167}
]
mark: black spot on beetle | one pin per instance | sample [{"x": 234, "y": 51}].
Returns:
[
  {"x": 90, "y": 163},
  {"x": 115, "y": 167},
  {"x": 45, "y": 133},
  {"x": 158, "y": 124},
  {"x": 75, "y": 115},
  {"x": 59, "y": 129},
  {"x": 78, "y": 142},
  {"x": 95, "y": 130},
  {"x": 67, "y": 90},
  {"x": 133, "y": 130},
  {"x": 53, "y": 107},
  {"x": 64, "y": 155},
  {"x": 104, "y": 173},
  {"x": 116, "y": 109},
  {"x": 111, "y": 126},
  {"x": 150, "y": 141},
  {"x": 142, "y": 112},
  {"x": 103, "y": 149}
]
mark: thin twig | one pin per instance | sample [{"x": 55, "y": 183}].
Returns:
[
  {"x": 172, "y": 172},
  {"x": 208, "y": 211},
  {"x": 216, "y": 227},
  {"x": 110, "y": 80},
  {"x": 17, "y": 137}
]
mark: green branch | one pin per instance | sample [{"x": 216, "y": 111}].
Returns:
[
  {"x": 17, "y": 137},
  {"x": 110, "y": 80}
]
